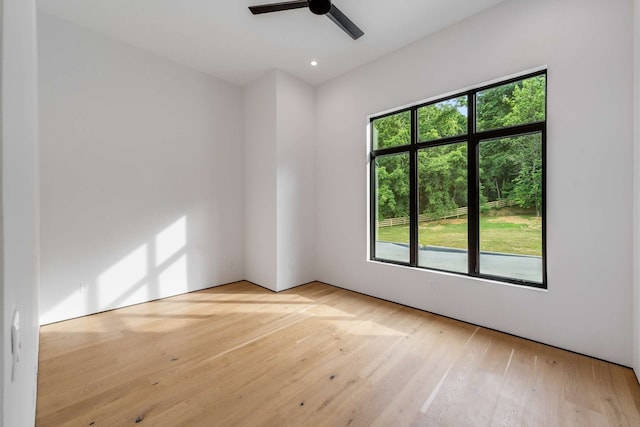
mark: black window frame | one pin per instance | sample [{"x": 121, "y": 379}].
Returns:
[{"x": 472, "y": 138}]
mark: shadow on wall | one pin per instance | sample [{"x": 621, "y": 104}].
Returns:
[{"x": 156, "y": 269}]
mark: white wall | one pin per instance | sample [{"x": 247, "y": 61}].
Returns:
[
  {"x": 636, "y": 192},
  {"x": 587, "y": 47},
  {"x": 295, "y": 113},
  {"x": 19, "y": 265},
  {"x": 279, "y": 181},
  {"x": 3, "y": 325},
  {"x": 260, "y": 247},
  {"x": 141, "y": 175}
]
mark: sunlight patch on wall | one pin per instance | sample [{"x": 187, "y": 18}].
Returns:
[
  {"x": 73, "y": 305},
  {"x": 157, "y": 268},
  {"x": 123, "y": 282},
  {"x": 171, "y": 240},
  {"x": 174, "y": 278}
]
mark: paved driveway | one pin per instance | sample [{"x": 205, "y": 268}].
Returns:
[{"x": 522, "y": 267}]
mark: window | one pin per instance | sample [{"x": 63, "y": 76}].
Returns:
[{"x": 458, "y": 185}]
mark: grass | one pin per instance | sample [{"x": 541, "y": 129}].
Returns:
[{"x": 501, "y": 230}]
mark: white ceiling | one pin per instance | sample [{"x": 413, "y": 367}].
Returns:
[{"x": 222, "y": 38}]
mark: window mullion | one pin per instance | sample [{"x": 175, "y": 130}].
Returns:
[
  {"x": 372, "y": 205},
  {"x": 473, "y": 198},
  {"x": 413, "y": 191}
]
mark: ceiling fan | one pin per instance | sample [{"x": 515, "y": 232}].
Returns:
[{"x": 319, "y": 7}]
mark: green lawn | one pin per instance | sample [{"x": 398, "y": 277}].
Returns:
[{"x": 515, "y": 234}]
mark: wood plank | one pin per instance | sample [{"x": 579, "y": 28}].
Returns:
[{"x": 314, "y": 355}]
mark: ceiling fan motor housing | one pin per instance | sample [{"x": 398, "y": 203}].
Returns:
[{"x": 320, "y": 7}]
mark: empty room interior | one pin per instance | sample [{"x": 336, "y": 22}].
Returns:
[{"x": 413, "y": 213}]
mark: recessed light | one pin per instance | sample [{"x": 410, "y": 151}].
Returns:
[{"x": 314, "y": 63}]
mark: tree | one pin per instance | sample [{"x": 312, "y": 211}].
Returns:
[
  {"x": 392, "y": 180},
  {"x": 392, "y": 131},
  {"x": 492, "y": 106},
  {"x": 498, "y": 166},
  {"x": 528, "y": 105},
  {"x": 442, "y": 179},
  {"x": 527, "y": 102},
  {"x": 392, "y": 172},
  {"x": 442, "y": 170},
  {"x": 444, "y": 119},
  {"x": 510, "y": 168}
]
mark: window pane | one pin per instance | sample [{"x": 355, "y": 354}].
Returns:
[
  {"x": 512, "y": 104},
  {"x": 442, "y": 120},
  {"x": 392, "y": 207},
  {"x": 392, "y": 131},
  {"x": 511, "y": 207},
  {"x": 442, "y": 207}
]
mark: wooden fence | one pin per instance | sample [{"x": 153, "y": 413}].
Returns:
[{"x": 389, "y": 222}]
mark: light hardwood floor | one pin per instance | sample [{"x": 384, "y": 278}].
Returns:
[{"x": 316, "y": 355}]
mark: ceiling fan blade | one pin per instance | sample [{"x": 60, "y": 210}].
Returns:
[
  {"x": 341, "y": 20},
  {"x": 276, "y": 7}
]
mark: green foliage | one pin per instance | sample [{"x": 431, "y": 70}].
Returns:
[
  {"x": 442, "y": 179},
  {"x": 441, "y": 120},
  {"x": 392, "y": 179},
  {"x": 392, "y": 131},
  {"x": 527, "y": 192},
  {"x": 493, "y": 106},
  {"x": 510, "y": 168},
  {"x": 527, "y": 102}
]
